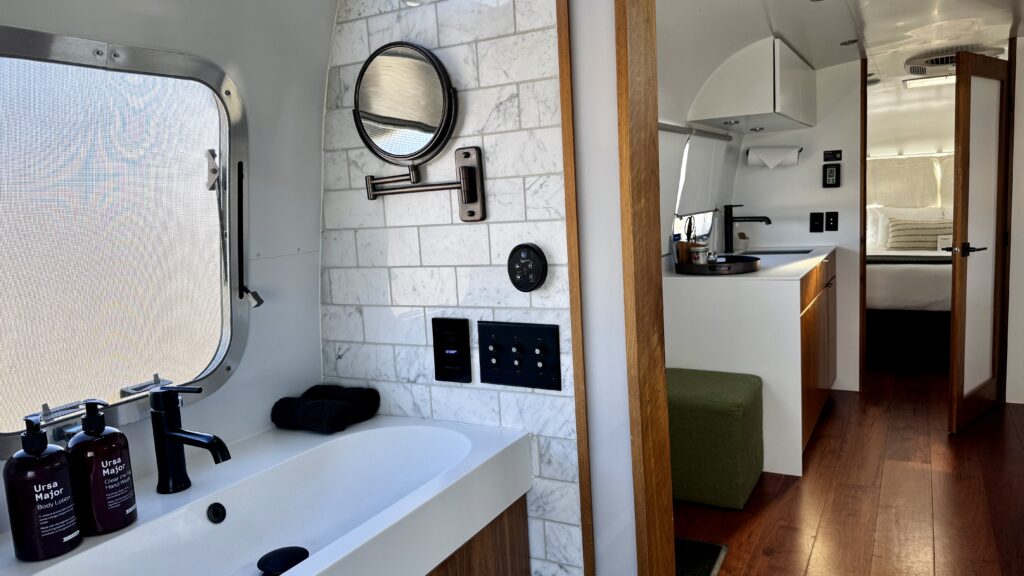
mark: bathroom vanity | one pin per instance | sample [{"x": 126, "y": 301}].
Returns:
[{"x": 778, "y": 323}]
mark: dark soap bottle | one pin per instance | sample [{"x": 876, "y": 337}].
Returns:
[
  {"x": 101, "y": 475},
  {"x": 38, "y": 485}
]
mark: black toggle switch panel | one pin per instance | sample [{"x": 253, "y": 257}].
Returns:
[{"x": 515, "y": 354}]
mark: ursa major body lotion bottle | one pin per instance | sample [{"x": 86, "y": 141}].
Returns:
[{"x": 37, "y": 481}]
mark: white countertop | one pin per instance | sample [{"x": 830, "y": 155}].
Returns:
[{"x": 773, "y": 266}]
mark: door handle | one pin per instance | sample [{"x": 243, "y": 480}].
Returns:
[{"x": 964, "y": 249}]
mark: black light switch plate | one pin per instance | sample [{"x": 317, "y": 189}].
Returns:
[
  {"x": 453, "y": 361},
  {"x": 831, "y": 221},
  {"x": 817, "y": 221},
  {"x": 524, "y": 355}
]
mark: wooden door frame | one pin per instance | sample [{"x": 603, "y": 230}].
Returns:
[
  {"x": 637, "y": 86},
  {"x": 964, "y": 409},
  {"x": 575, "y": 282}
]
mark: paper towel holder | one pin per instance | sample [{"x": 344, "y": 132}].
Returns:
[{"x": 798, "y": 152}]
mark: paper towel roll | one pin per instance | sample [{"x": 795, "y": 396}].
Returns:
[{"x": 773, "y": 156}]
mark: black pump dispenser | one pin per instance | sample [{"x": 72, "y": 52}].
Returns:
[
  {"x": 101, "y": 474},
  {"x": 94, "y": 421},
  {"x": 33, "y": 439},
  {"x": 39, "y": 501}
]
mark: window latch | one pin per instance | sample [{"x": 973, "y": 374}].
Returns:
[{"x": 212, "y": 170}]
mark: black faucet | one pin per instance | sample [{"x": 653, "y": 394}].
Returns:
[
  {"x": 730, "y": 220},
  {"x": 169, "y": 439}
]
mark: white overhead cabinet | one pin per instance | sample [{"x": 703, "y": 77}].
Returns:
[{"x": 765, "y": 87}]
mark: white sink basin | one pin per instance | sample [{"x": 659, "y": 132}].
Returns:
[{"x": 387, "y": 497}]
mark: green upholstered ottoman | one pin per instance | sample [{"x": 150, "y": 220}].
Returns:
[{"x": 716, "y": 436}]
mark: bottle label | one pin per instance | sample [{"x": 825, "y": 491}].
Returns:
[
  {"x": 118, "y": 487},
  {"x": 55, "y": 510}
]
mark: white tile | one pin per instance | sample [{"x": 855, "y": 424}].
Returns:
[
  {"x": 553, "y": 416},
  {"x": 416, "y": 25},
  {"x": 488, "y": 110},
  {"x": 554, "y": 293},
  {"x": 394, "y": 325},
  {"x": 453, "y": 404},
  {"x": 460, "y": 62},
  {"x": 467, "y": 20},
  {"x": 362, "y": 163},
  {"x": 489, "y": 286},
  {"x": 414, "y": 364},
  {"x": 338, "y": 248},
  {"x": 559, "y": 459},
  {"x": 347, "y": 85},
  {"x": 352, "y": 9},
  {"x": 423, "y": 286},
  {"x": 540, "y": 567},
  {"x": 334, "y": 88},
  {"x": 342, "y": 323},
  {"x": 330, "y": 357},
  {"x": 340, "y": 130},
  {"x": 542, "y": 316},
  {"x": 504, "y": 199},
  {"x": 336, "y": 170},
  {"x": 519, "y": 58},
  {"x": 564, "y": 543},
  {"x": 388, "y": 247},
  {"x": 454, "y": 245},
  {"x": 545, "y": 197},
  {"x": 531, "y": 14},
  {"x": 325, "y": 286},
  {"x": 442, "y": 168},
  {"x": 350, "y": 43},
  {"x": 536, "y": 535},
  {"x": 418, "y": 209},
  {"x": 554, "y": 500},
  {"x": 534, "y": 456},
  {"x": 474, "y": 315},
  {"x": 398, "y": 399},
  {"x": 549, "y": 236},
  {"x": 351, "y": 209},
  {"x": 359, "y": 286},
  {"x": 540, "y": 103},
  {"x": 365, "y": 361},
  {"x": 524, "y": 153}
]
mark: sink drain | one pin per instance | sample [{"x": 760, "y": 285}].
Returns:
[
  {"x": 216, "y": 512},
  {"x": 279, "y": 561}
]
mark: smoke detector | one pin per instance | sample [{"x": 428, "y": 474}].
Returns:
[{"x": 943, "y": 62}]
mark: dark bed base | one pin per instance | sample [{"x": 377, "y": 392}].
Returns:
[{"x": 908, "y": 341}]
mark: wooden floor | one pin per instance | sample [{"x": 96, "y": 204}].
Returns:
[{"x": 885, "y": 491}]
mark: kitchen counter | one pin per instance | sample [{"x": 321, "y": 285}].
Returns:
[{"x": 773, "y": 266}]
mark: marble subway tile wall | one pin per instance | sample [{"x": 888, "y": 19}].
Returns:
[{"x": 391, "y": 265}]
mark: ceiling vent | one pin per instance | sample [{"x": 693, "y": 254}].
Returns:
[{"x": 944, "y": 61}]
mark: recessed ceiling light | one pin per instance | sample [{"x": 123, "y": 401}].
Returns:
[
  {"x": 731, "y": 122},
  {"x": 929, "y": 82},
  {"x": 757, "y": 129},
  {"x": 848, "y": 42}
]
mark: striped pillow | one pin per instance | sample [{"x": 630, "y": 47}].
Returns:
[{"x": 917, "y": 234}]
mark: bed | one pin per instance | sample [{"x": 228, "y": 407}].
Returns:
[{"x": 909, "y": 280}]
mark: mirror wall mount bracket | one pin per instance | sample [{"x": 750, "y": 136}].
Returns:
[{"x": 469, "y": 168}]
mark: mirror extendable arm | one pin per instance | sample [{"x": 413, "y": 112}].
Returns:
[{"x": 468, "y": 167}]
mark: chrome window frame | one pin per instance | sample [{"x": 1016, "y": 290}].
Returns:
[{"x": 61, "y": 49}]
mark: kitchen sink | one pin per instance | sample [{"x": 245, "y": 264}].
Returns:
[
  {"x": 776, "y": 252},
  {"x": 723, "y": 265}
]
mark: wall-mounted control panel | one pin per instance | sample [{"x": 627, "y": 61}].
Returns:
[
  {"x": 831, "y": 221},
  {"x": 453, "y": 361},
  {"x": 527, "y": 267},
  {"x": 817, "y": 222},
  {"x": 525, "y": 355}
]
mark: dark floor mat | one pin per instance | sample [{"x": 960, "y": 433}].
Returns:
[{"x": 695, "y": 558}]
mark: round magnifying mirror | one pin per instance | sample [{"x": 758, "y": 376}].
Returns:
[{"x": 404, "y": 104}]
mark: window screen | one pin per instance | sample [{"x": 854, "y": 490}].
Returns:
[{"x": 111, "y": 250}]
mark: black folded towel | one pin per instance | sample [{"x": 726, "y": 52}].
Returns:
[
  {"x": 365, "y": 401},
  {"x": 326, "y": 409}
]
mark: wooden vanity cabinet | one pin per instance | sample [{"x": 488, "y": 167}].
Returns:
[{"x": 817, "y": 340}]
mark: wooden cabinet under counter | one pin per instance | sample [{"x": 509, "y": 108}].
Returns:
[{"x": 778, "y": 323}]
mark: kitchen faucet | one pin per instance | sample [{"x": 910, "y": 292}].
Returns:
[
  {"x": 730, "y": 220},
  {"x": 169, "y": 439}
]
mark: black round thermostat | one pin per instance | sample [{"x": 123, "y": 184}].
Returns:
[{"x": 527, "y": 267}]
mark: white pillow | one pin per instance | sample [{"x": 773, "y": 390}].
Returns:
[
  {"x": 918, "y": 214},
  {"x": 872, "y": 224}
]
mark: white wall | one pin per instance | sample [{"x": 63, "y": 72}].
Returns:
[
  {"x": 597, "y": 169},
  {"x": 277, "y": 54},
  {"x": 910, "y": 120},
  {"x": 788, "y": 194}
]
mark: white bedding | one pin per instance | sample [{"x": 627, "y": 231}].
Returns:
[{"x": 909, "y": 286}]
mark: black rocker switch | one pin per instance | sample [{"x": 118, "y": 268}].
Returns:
[{"x": 452, "y": 358}]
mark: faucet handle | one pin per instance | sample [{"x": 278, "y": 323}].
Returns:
[{"x": 166, "y": 397}]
